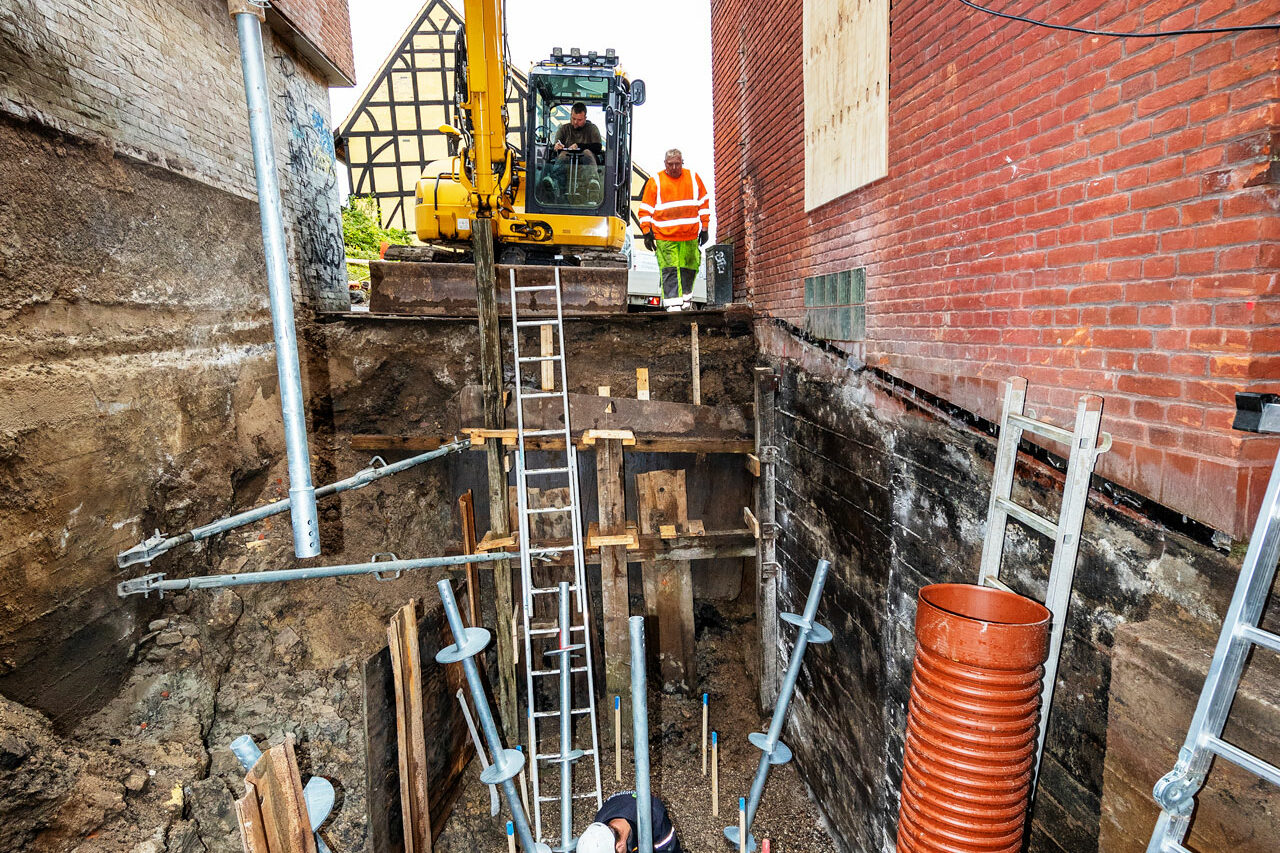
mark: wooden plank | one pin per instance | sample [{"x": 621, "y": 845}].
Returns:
[
  {"x": 591, "y": 436},
  {"x": 548, "y": 347},
  {"x": 253, "y": 834},
  {"x": 494, "y": 541},
  {"x": 646, "y": 419},
  {"x": 667, "y": 531},
  {"x": 753, "y": 464},
  {"x": 407, "y": 443},
  {"x": 696, "y": 527},
  {"x": 846, "y": 104},
  {"x": 696, "y": 364},
  {"x": 596, "y": 539},
  {"x": 467, "y": 515},
  {"x": 481, "y": 436},
  {"x": 661, "y": 499},
  {"x": 611, "y": 501},
  {"x": 448, "y": 749},
  {"x": 642, "y": 383},
  {"x": 406, "y": 671},
  {"x": 752, "y": 524},
  {"x": 602, "y": 390},
  {"x": 449, "y": 290},
  {"x": 278, "y": 789}
]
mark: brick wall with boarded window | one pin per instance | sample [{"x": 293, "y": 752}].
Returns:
[{"x": 1095, "y": 214}]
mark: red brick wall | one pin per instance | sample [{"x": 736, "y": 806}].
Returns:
[
  {"x": 1093, "y": 214},
  {"x": 327, "y": 24}
]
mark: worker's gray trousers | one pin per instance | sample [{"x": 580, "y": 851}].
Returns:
[{"x": 677, "y": 283}]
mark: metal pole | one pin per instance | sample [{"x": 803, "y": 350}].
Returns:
[
  {"x": 306, "y": 532},
  {"x": 640, "y": 735},
  {"x": 568, "y": 754},
  {"x": 773, "y": 750},
  {"x": 156, "y": 583},
  {"x": 469, "y": 642},
  {"x": 149, "y": 549}
]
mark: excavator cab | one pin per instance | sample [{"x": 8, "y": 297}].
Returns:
[{"x": 595, "y": 179}]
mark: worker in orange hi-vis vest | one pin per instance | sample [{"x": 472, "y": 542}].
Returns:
[{"x": 675, "y": 218}]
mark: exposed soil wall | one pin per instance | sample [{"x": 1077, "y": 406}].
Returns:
[{"x": 894, "y": 493}]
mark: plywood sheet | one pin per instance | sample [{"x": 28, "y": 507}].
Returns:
[{"x": 846, "y": 97}]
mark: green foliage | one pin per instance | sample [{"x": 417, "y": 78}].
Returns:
[{"x": 362, "y": 234}]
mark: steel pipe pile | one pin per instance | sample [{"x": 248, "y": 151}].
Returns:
[
  {"x": 507, "y": 763},
  {"x": 773, "y": 750}
]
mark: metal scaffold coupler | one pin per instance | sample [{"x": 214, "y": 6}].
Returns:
[
  {"x": 144, "y": 552},
  {"x": 145, "y": 585}
]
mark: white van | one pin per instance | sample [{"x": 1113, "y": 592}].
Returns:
[{"x": 644, "y": 283}]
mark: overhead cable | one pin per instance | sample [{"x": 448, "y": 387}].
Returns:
[{"x": 1114, "y": 34}]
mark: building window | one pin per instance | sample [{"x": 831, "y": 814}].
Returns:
[{"x": 835, "y": 305}]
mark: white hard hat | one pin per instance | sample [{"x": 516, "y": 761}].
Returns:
[{"x": 597, "y": 838}]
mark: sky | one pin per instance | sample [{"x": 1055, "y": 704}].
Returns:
[{"x": 668, "y": 45}]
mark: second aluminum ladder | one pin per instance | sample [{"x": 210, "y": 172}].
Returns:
[{"x": 539, "y": 638}]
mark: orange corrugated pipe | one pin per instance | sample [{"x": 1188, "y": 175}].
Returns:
[{"x": 972, "y": 720}]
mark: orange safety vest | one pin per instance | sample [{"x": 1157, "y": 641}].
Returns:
[{"x": 675, "y": 208}]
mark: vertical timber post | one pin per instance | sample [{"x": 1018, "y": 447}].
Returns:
[
  {"x": 612, "y": 502},
  {"x": 766, "y": 554},
  {"x": 499, "y": 513}
]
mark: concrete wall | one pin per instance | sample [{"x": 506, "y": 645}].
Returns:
[
  {"x": 137, "y": 349},
  {"x": 1093, "y": 214},
  {"x": 891, "y": 487}
]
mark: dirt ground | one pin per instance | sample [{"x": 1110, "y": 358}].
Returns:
[{"x": 787, "y": 816}]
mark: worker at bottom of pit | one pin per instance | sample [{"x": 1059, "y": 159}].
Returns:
[
  {"x": 615, "y": 829},
  {"x": 675, "y": 219}
]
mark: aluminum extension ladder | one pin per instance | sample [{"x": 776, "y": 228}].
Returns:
[
  {"x": 1176, "y": 791},
  {"x": 539, "y": 640},
  {"x": 1065, "y": 533}
]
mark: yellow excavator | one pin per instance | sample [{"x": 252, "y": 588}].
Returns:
[{"x": 546, "y": 205}]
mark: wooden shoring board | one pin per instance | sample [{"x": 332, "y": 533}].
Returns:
[
  {"x": 273, "y": 813},
  {"x": 448, "y": 750},
  {"x": 615, "y": 591},
  {"x": 406, "y": 671},
  {"x": 641, "y": 444},
  {"x": 662, "y": 498}
]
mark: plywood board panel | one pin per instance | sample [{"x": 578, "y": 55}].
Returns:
[{"x": 846, "y": 96}]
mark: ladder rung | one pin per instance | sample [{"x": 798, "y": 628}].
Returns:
[
  {"x": 537, "y": 395},
  {"x": 996, "y": 583},
  {"x": 543, "y": 632},
  {"x": 528, "y": 471},
  {"x": 555, "y": 756},
  {"x": 541, "y": 714},
  {"x": 1029, "y": 518},
  {"x": 527, "y": 358},
  {"x": 1259, "y": 637},
  {"x": 536, "y": 432},
  {"x": 548, "y": 509},
  {"x": 532, "y": 287},
  {"x": 572, "y": 670},
  {"x": 1056, "y": 433},
  {"x": 551, "y": 321},
  {"x": 1238, "y": 756}
]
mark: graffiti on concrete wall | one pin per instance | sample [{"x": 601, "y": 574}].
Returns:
[{"x": 311, "y": 171}]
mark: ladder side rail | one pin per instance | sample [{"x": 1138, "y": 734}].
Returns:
[
  {"x": 1081, "y": 458},
  {"x": 580, "y": 570},
  {"x": 526, "y": 569},
  {"x": 1176, "y": 790},
  {"x": 1015, "y": 398}
]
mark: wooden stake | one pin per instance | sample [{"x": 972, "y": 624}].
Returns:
[
  {"x": 602, "y": 390},
  {"x": 642, "y": 383},
  {"x": 742, "y": 825},
  {"x": 548, "y": 348},
  {"x": 617, "y": 738},
  {"x": 524, "y": 787},
  {"x": 511, "y": 837},
  {"x": 704, "y": 734},
  {"x": 697, "y": 367},
  {"x": 764, "y": 846},
  {"x": 715, "y": 775}
]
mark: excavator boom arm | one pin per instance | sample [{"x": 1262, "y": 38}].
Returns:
[{"x": 486, "y": 95}]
